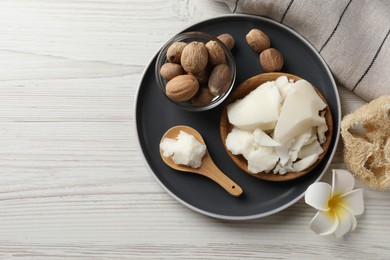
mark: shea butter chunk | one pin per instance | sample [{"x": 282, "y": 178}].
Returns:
[
  {"x": 299, "y": 112},
  {"x": 184, "y": 150},
  {"x": 246, "y": 113},
  {"x": 263, "y": 159},
  {"x": 240, "y": 141}
]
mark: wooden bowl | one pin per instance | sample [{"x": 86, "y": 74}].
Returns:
[{"x": 225, "y": 127}]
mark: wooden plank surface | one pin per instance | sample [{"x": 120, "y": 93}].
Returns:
[{"x": 73, "y": 183}]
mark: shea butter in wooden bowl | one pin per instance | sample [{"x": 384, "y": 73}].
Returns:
[{"x": 276, "y": 126}]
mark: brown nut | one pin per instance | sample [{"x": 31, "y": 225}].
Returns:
[
  {"x": 220, "y": 79},
  {"x": 271, "y": 60},
  {"x": 194, "y": 57},
  {"x": 182, "y": 88},
  {"x": 216, "y": 53},
  {"x": 258, "y": 40},
  {"x": 228, "y": 40},
  {"x": 202, "y": 97},
  {"x": 174, "y": 51},
  {"x": 170, "y": 70},
  {"x": 202, "y": 76}
]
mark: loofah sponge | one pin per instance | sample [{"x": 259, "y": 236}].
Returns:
[{"x": 366, "y": 136}]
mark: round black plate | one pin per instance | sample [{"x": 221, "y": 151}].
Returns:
[{"x": 155, "y": 114}]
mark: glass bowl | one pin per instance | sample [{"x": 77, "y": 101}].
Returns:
[{"x": 188, "y": 37}]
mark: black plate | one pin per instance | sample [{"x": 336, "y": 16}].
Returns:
[{"x": 155, "y": 114}]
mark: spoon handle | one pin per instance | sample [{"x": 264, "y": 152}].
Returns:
[{"x": 211, "y": 171}]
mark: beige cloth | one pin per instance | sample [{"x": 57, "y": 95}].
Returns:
[{"x": 351, "y": 36}]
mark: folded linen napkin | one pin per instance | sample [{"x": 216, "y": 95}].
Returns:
[{"x": 351, "y": 36}]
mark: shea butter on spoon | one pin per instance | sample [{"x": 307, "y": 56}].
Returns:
[
  {"x": 185, "y": 149},
  {"x": 276, "y": 126},
  {"x": 182, "y": 148}
]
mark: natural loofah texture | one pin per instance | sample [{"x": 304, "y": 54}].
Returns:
[{"x": 366, "y": 136}]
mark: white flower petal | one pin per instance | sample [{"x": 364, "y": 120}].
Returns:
[
  {"x": 342, "y": 182},
  {"x": 353, "y": 201},
  {"x": 324, "y": 223},
  {"x": 354, "y": 223},
  {"x": 317, "y": 195},
  {"x": 346, "y": 222}
]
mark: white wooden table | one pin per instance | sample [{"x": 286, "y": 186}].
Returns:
[{"x": 73, "y": 183}]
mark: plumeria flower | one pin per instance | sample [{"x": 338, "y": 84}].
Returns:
[{"x": 337, "y": 205}]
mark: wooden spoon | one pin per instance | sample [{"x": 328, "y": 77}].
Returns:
[
  {"x": 208, "y": 167},
  {"x": 225, "y": 127}
]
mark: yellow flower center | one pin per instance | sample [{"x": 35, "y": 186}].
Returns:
[
  {"x": 333, "y": 202},
  {"x": 335, "y": 207}
]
